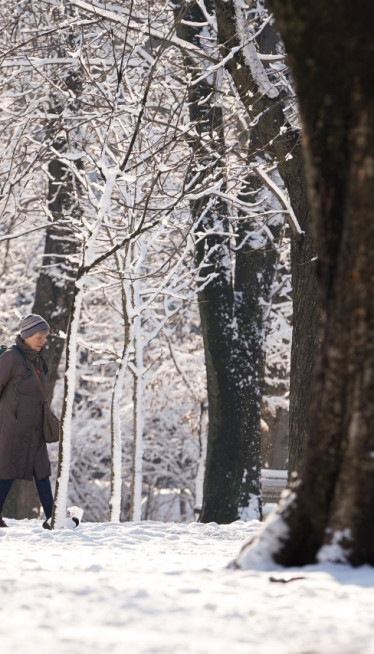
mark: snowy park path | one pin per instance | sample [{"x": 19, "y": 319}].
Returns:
[{"x": 160, "y": 588}]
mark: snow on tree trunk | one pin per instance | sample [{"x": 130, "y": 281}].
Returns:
[
  {"x": 116, "y": 440},
  {"x": 138, "y": 373},
  {"x": 234, "y": 290},
  {"x": 55, "y": 284},
  {"x": 117, "y": 393},
  {"x": 330, "y": 514},
  {"x": 62, "y": 481}
]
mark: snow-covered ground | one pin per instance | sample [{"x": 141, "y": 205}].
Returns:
[{"x": 152, "y": 587}]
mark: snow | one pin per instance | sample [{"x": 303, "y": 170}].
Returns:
[{"x": 152, "y": 587}]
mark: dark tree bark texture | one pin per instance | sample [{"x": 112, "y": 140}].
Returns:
[
  {"x": 330, "y": 49},
  {"x": 279, "y": 143},
  {"x": 55, "y": 285},
  {"x": 231, "y": 313}
]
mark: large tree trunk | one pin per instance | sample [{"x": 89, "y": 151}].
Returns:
[
  {"x": 332, "y": 513},
  {"x": 55, "y": 285},
  {"x": 231, "y": 310},
  {"x": 232, "y": 323},
  {"x": 228, "y": 446},
  {"x": 265, "y": 109}
]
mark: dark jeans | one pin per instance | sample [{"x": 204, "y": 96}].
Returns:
[{"x": 43, "y": 486}]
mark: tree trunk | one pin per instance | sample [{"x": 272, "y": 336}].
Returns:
[
  {"x": 55, "y": 285},
  {"x": 117, "y": 393},
  {"x": 64, "y": 452},
  {"x": 231, "y": 311},
  {"x": 138, "y": 408},
  {"x": 265, "y": 109},
  {"x": 331, "y": 516}
]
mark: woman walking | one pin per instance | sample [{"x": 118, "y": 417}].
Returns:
[{"x": 23, "y": 451}]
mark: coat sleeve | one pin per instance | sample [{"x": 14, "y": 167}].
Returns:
[{"x": 7, "y": 369}]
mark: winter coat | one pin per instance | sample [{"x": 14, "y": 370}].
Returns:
[{"x": 23, "y": 451}]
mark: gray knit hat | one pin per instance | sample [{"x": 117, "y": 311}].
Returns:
[{"x": 32, "y": 324}]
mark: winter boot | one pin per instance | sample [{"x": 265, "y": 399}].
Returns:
[{"x": 2, "y": 523}]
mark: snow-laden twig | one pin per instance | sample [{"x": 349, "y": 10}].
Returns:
[
  {"x": 264, "y": 85},
  {"x": 10, "y": 237},
  {"x": 246, "y": 45},
  {"x": 165, "y": 38},
  {"x": 274, "y": 188}
]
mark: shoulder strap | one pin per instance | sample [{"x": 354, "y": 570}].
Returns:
[{"x": 40, "y": 383}]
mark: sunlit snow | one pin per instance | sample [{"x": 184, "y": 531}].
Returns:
[{"x": 152, "y": 587}]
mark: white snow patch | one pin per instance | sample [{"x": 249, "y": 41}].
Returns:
[
  {"x": 250, "y": 512},
  {"x": 259, "y": 553},
  {"x": 334, "y": 551},
  {"x": 156, "y": 588}
]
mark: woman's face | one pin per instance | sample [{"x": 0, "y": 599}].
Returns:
[{"x": 36, "y": 341}]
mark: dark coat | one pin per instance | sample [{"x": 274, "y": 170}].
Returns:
[{"x": 23, "y": 450}]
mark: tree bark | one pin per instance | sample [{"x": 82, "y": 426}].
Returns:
[
  {"x": 279, "y": 143},
  {"x": 231, "y": 311},
  {"x": 55, "y": 284},
  {"x": 331, "y": 516}
]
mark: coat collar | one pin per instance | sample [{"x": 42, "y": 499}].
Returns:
[{"x": 32, "y": 355}]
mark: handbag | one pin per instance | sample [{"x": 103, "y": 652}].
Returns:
[{"x": 51, "y": 424}]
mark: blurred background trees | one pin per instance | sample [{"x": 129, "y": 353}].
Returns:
[{"x": 156, "y": 115}]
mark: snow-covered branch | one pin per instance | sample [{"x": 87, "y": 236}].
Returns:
[{"x": 274, "y": 188}]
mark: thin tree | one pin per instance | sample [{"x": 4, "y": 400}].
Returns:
[{"x": 87, "y": 264}]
